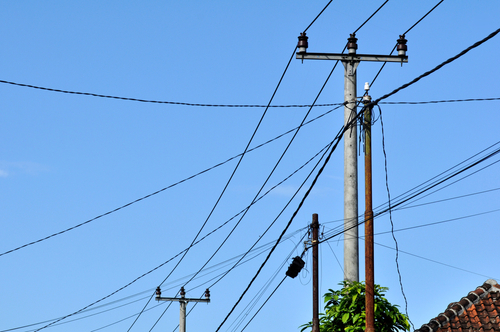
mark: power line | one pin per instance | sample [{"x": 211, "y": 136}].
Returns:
[
  {"x": 394, "y": 48},
  {"x": 252, "y": 303},
  {"x": 321, "y": 12},
  {"x": 404, "y": 86},
  {"x": 284, "y": 208},
  {"x": 390, "y": 218},
  {"x": 442, "y": 177},
  {"x": 423, "y": 17},
  {"x": 165, "y": 188},
  {"x": 421, "y": 191},
  {"x": 440, "y": 222},
  {"x": 434, "y": 261},
  {"x": 271, "y": 224},
  {"x": 157, "y": 101},
  {"x": 437, "y": 101},
  {"x": 428, "y": 203},
  {"x": 213, "y": 231},
  {"x": 276, "y": 165},
  {"x": 337, "y": 141},
  {"x": 369, "y": 18},
  {"x": 259, "y": 251},
  {"x": 228, "y": 181},
  {"x": 447, "y": 199},
  {"x": 265, "y": 302}
]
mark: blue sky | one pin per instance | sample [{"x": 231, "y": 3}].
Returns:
[{"x": 66, "y": 158}]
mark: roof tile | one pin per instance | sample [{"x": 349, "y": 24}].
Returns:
[{"x": 476, "y": 312}]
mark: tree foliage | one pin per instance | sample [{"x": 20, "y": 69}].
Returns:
[{"x": 345, "y": 311}]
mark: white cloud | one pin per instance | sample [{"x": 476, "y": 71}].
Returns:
[{"x": 31, "y": 168}]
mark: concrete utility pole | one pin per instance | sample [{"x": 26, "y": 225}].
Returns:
[
  {"x": 351, "y": 61},
  {"x": 183, "y": 301}
]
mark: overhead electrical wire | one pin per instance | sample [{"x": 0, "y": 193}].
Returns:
[
  {"x": 446, "y": 199},
  {"x": 443, "y": 177},
  {"x": 219, "y": 105},
  {"x": 317, "y": 16},
  {"x": 256, "y": 197},
  {"x": 272, "y": 223},
  {"x": 259, "y": 294},
  {"x": 165, "y": 188},
  {"x": 386, "y": 96},
  {"x": 467, "y": 163},
  {"x": 420, "y": 20},
  {"x": 434, "y": 261},
  {"x": 395, "y": 91},
  {"x": 450, "y": 60},
  {"x": 336, "y": 140},
  {"x": 261, "y": 250},
  {"x": 436, "y": 101},
  {"x": 430, "y": 72},
  {"x": 427, "y": 203},
  {"x": 425, "y": 75},
  {"x": 390, "y": 219},
  {"x": 251, "y": 305},
  {"x": 278, "y": 162},
  {"x": 274, "y": 168},
  {"x": 178, "y": 254},
  {"x": 423, "y": 190},
  {"x": 157, "y": 101},
  {"x": 284, "y": 208},
  {"x": 229, "y": 180},
  {"x": 460, "y": 179},
  {"x": 379, "y": 233},
  {"x": 394, "y": 48},
  {"x": 257, "y": 252},
  {"x": 369, "y": 18},
  {"x": 440, "y": 222},
  {"x": 320, "y": 171},
  {"x": 425, "y": 225}
]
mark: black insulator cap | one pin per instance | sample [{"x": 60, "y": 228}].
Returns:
[
  {"x": 402, "y": 43},
  {"x": 207, "y": 293},
  {"x": 303, "y": 41},
  {"x": 158, "y": 291},
  {"x": 182, "y": 292},
  {"x": 351, "y": 42},
  {"x": 295, "y": 267}
]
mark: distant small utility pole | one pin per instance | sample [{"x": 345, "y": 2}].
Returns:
[
  {"x": 183, "y": 301},
  {"x": 351, "y": 61}
]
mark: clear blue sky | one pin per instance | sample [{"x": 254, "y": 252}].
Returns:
[{"x": 66, "y": 159}]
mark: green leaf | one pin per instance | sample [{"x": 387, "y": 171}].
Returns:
[{"x": 345, "y": 311}]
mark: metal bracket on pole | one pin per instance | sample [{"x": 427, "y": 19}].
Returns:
[
  {"x": 183, "y": 301},
  {"x": 351, "y": 57}
]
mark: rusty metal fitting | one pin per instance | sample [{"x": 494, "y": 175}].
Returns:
[
  {"x": 303, "y": 44},
  {"x": 352, "y": 46}
]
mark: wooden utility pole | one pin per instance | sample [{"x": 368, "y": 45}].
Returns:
[
  {"x": 183, "y": 301},
  {"x": 314, "y": 244},
  {"x": 369, "y": 248},
  {"x": 351, "y": 61}
]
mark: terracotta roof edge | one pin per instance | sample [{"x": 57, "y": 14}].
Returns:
[{"x": 473, "y": 297}]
